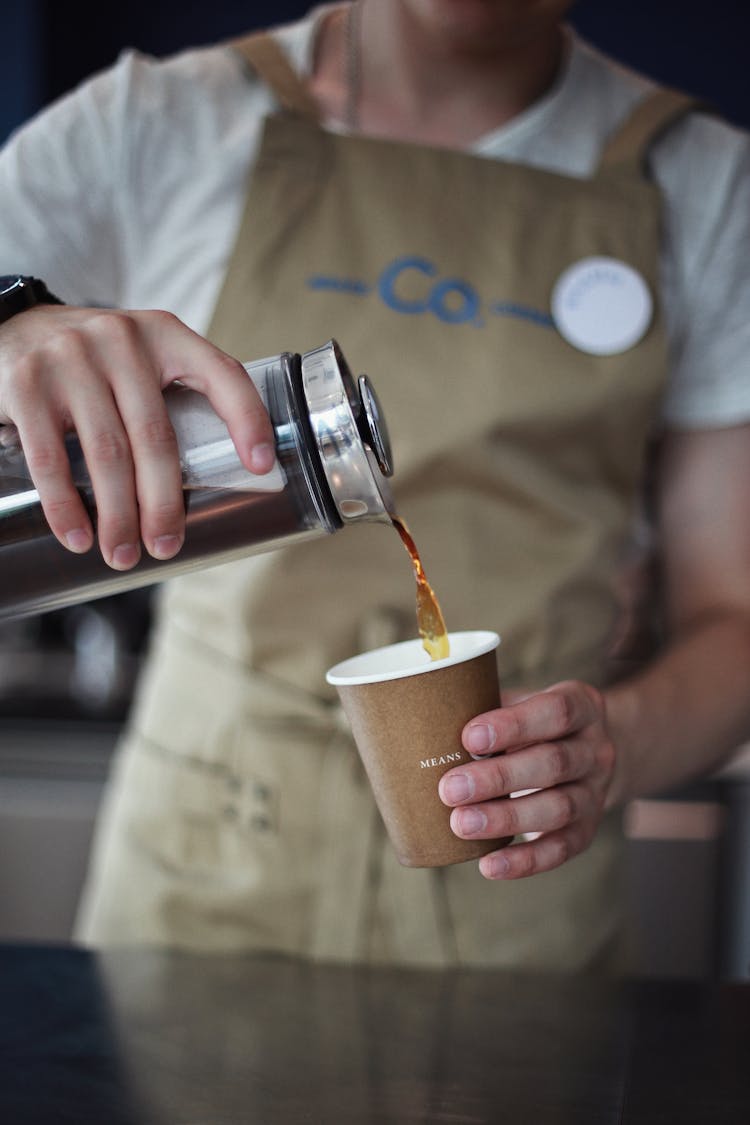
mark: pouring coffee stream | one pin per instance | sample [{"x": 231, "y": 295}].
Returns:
[{"x": 430, "y": 620}]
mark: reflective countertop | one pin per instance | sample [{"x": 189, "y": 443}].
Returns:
[{"x": 145, "y": 1038}]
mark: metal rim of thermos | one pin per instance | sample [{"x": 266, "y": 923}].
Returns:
[{"x": 350, "y": 433}]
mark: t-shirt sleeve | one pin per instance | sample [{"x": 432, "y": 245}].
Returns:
[
  {"x": 59, "y": 177},
  {"x": 128, "y": 191},
  {"x": 703, "y": 167}
]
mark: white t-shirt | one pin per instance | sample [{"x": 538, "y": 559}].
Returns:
[{"x": 129, "y": 192}]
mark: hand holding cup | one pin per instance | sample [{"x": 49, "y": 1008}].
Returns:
[{"x": 407, "y": 713}]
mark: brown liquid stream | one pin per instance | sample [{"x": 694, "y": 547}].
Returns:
[{"x": 429, "y": 616}]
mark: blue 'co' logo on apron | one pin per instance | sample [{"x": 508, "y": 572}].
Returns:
[{"x": 452, "y": 300}]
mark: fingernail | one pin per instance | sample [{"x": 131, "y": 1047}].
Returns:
[
  {"x": 479, "y": 738},
  {"x": 166, "y": 546},
  {"x": 79, "y": 540},
  {"x": 125, "y": 555},
  {"x": 494, "y": 866},
  {"x": 262, "y": 457},
  {"x": 470, "y": 821},
  {"x": 457, "y": 787}
]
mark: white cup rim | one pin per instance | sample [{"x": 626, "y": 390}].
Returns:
[{"x": 408, "y": 658}]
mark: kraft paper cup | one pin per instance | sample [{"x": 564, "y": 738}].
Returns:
[{"x": 406, "y": 713}]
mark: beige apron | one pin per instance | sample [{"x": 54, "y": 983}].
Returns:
[{"x": 239, "y": 816}]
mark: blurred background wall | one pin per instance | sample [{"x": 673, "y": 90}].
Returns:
[{"x": 48, "y": 46}]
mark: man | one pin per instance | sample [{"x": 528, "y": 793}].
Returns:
[{"x": 544, "y": 249}]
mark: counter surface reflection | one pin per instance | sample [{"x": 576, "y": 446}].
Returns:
[{"x": 147, "y": 1038}]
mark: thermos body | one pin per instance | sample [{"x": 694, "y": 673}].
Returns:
[{"x": 333, "y": 457}]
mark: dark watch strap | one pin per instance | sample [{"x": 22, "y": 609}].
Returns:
[{"x": 18, "y": 293}]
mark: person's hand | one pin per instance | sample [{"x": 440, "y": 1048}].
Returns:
[
  {"x": 553, "y": 743},
  {"x": 101, "y": 373}
]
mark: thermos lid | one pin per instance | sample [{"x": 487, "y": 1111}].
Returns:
[
  {"x": 351, "y": 435},
  {"x": 372, "y": 426}
]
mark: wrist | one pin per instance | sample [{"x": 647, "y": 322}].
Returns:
[
  {"x": 19, "y": 292},
  {"x": 621, "y": 708}
]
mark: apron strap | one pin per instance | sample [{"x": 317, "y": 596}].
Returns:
[
  {"x": 627, "y": 149},
  {"x": 262, "y": 54}
]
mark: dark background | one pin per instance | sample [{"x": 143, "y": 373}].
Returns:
[{"x": 48, "y": 46}]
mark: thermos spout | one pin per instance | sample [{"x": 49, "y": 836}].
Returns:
[{"x": 351, "y": 435}]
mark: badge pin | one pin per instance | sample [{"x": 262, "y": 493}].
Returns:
[{"x": 602, "y": 306}]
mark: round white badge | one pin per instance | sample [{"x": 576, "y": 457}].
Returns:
[{"x": 601, "y": 306}]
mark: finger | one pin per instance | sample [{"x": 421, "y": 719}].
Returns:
[
  {"x": 158, "y": 480},
  {"x": 510, "y": 696},
  {"x": 58, "y": 389},
  {"x": 106, "y": 451},
  {"x": 85, "y": 399},
  {"x": 542, "y": 717},
  {"x": 154, "y": 469},
  {"x": 518, "y": 861},
  {"x": 48, "y": 464},
  {"x": 544, "y": 811},
  {"x": 534, "y": 767},
  {"x": 197, "y": 363}
]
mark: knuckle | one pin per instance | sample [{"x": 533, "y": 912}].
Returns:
[
  {"x": 46, "y": 461},
  {"x": 500, "y": 775},
  {"x": 516, "y": 727},
  {"x": 565, "y": 808},
  {"x": 511, "y": 824},
  {"x": 26, "y": 389},
  {"x": 587, "y": 836},
  {"x": 560, "y": 758},
  {"x": 168, "y": 514},
  {"x": 563, "y": 708},
  {"x": 560, "y": 850},
  {"x": 25, "y": 373},
  {"x": 255, "y": 416},
  {"x": 606, "y": 755},
  {"x": 223, "y": 359},
  {"x": 157, "y": 435},
  {"x": 594, "y": 695},
  {"x": 160, "y": 322},
  {"x": 59, "y": 510},
  {"x": 114, "y": 324},
  {"x": 526, "y": 862},
  {"x": 109, "y": 447},
  {"x": 577, "y": 840},
  {"x": 595, "y": 701},
  {"x": 66, "y": 347},
  {"x": 118, "y": 528}
]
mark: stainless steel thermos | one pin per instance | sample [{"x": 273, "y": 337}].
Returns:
[{"x": 333, "y": 457}]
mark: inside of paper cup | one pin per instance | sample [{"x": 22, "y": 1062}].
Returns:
[{"x": 409, "y": 658}]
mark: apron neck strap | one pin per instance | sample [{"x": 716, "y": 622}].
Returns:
[
  {"x": 627, "y": 149},
  {"x": 265, "y": 58}
]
